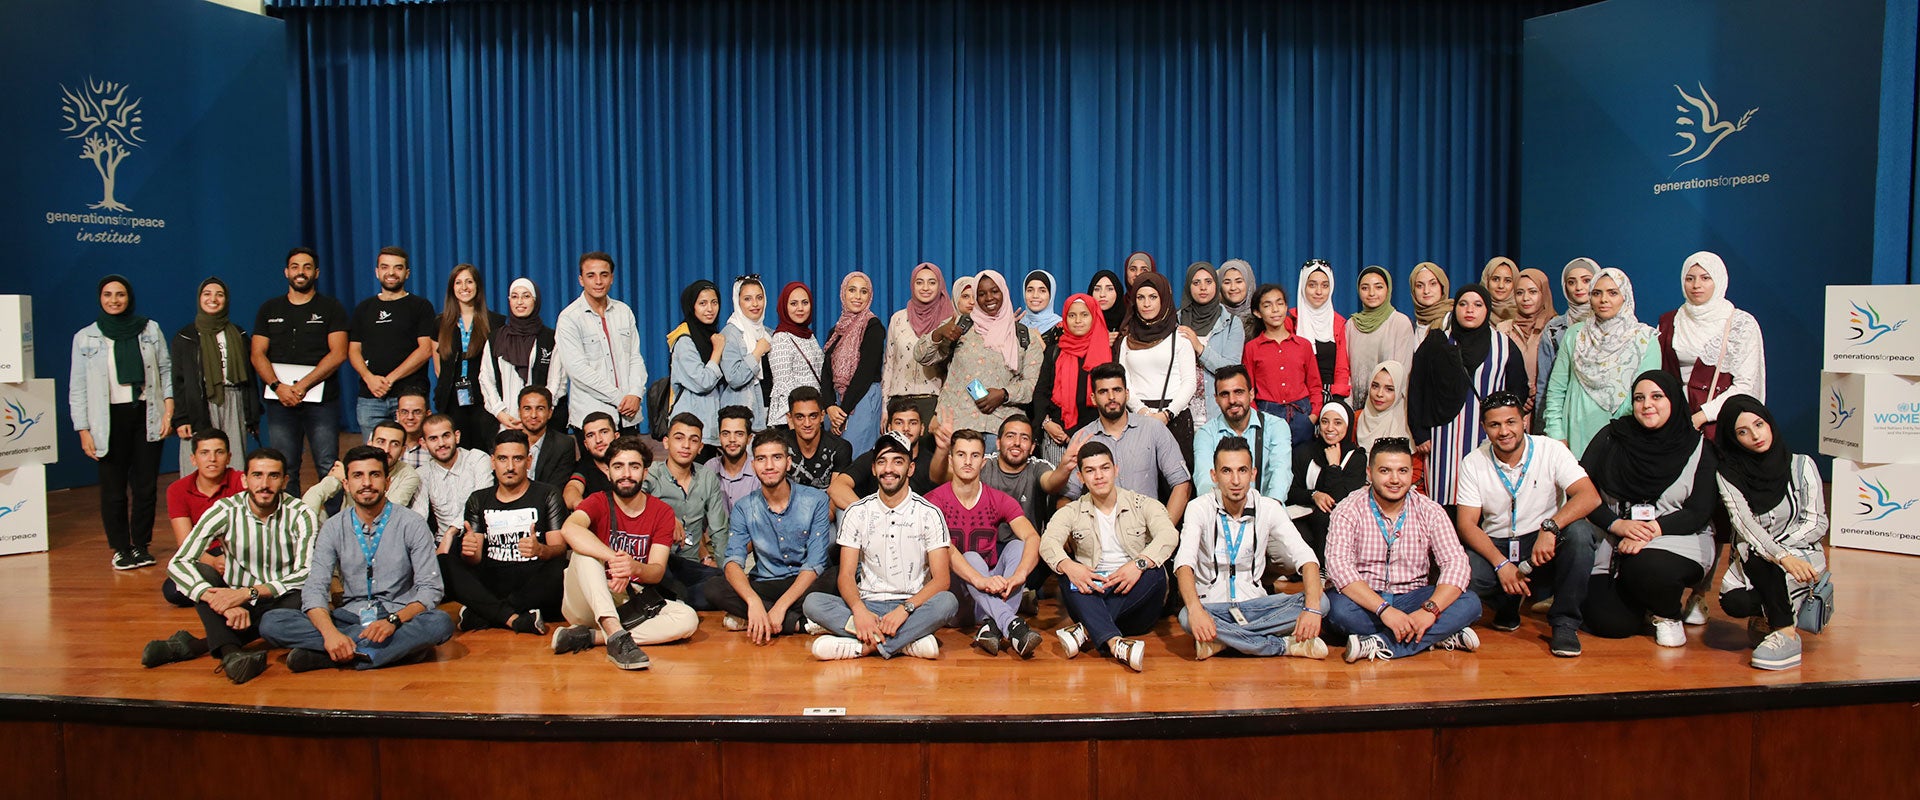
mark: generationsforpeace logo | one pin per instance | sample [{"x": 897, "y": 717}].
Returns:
[
  {"x": 1702, "y": 128},
  {"x": 1867, "y": 326},
  {"x": 1838, "y": 412},
  {"x": 16, "y": 420},
  {"x": 106, "y": 118},
  {"x": 1877, "y": 503}
]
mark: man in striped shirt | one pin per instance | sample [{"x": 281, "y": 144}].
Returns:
[
  {"x": 269, "y": 546},
  {"x": 1382, "y": 543}
]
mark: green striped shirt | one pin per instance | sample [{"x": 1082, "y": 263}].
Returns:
[{"x": 276, "y": 551}]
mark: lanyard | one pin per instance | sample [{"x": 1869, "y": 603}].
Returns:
[
  {"x": 466, "y": 341},
  {"x": 1233, "y": 541},
  {"x": 370, "y": 541},
  {"x": 1513, "y": 487},
  {"x": 1380, "y": 517}
]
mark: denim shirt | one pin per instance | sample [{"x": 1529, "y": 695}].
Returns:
[
  {"x": 783, "y": 544},
  {"x": 92, "y": 374}
]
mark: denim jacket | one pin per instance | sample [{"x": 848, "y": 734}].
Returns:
[{"x": 92, "y": 373}]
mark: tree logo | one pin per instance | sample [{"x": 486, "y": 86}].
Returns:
[
  {"x": 107, "y": 122},
  {"x": 1701, "y": 125}
]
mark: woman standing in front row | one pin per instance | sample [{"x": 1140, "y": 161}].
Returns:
[
  {"x": 520, "y": 354},
  {"x": 855, "y": 352},
  {"x": 120, "y": 398},
  {"x": 1711, "y": 346},
  {"x": 794, "y": 358},
  {"x": 992, "y": 361},
  {"x": 1593, "y": 374},
  {"x": 928, "y": 308},
  {"x": 1286, "y": 379},
  {"x": 1161, "y": 371},
  {"x": 465, "y": 326},
  {"x": 211, "y": 377},
  {"x": 1458, "y": 364},
  {"x": 748, "y": 342},
  {"x": 697, "y": 349},
  {"x": 1779, "y": 512}
]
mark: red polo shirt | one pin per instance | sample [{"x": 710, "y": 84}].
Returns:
[{"x": 185, "y": 500}]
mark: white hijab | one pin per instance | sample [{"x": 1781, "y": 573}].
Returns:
[
  {"x": 1314, "y": 324},
  {"x": 751, "y": 331},
  {"x": 1696, "y": 325}
]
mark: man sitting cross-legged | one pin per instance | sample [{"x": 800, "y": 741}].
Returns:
[{"x": 505, "y": 568}]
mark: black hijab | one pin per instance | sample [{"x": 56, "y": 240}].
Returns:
[
  {"x": 1118, "y": 314},
  {"x": 1441, "y": 379},
  {"x": 701, "y": 332},
  {"x": 1761, "y": 477},
  {"x": 123, "y": 329},
  {"x": 1645, "y": 462}
]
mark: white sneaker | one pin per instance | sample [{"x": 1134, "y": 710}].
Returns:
[
  {"x": 1205, "y": 650},
  {"x": 1466, "y": 640},
  {"x": 1073, "y": 639},
  {"x": 814, "y": 628},
  {"x": 1312, "y": 648},
  {"x": 733, "y": 623},
  {"x": 925, "y": 647},
  {"x": 1372, "y": 648},
  {"x": 1131, "y": 652},
  {"x": 1697, "y": 609},
  {"x": 839, "y": 648},
  {"x": 1669, "y": 632}
]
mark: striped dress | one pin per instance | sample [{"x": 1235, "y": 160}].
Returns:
[{"x": 1454, "y": 440}]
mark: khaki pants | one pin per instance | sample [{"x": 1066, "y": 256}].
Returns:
[{"x": 587, "y": 601}]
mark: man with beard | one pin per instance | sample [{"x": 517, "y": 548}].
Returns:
[
  {"x": 929, "y": 458},
  {"x": 1144, "y": 452},
  {"x": 993, "y": 571},
  {"x": 550, "y": 452},
  {"x": 818, "y": 454},
  {"x": 620, "y": 542},
  {"x": 390, "y": 340},
  {"x": 505, "y": 568},
  {"x": 189, "y": 498},
  {"x": 403, "y": 484},
  {"x": 412, "y": 416},
  {"x": 730, "y": 465},
  {"x": 787, "y": 527},
  {"x": 590, "y": 476},
  {"x": 694, "y": 495},
  {"x": 1030, "y": 481},
  {"x": 1109, "y": 547},
  {"x": 269, "y": 545},
  {"x": 389, "y": 581},
  {"x": 1382, "y": 544},
  {"x": 453, "y": 475},
  {"x": 304, "y": 333},
  {"x": 1272, "y": 455},
  {"x": 893, "y": 569}
]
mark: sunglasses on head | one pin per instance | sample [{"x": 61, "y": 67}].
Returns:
[{"x": 1500, "y": 400}]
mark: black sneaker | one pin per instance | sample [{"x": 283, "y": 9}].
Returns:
[
  {"x": 1506, "y": 614},
  {"x": 181, "y": 646},
  {"x": 301, "y": 659},
  {"x": 624, "y": 653},
  {"x": 241, "y": 666},
  {"x": 1024, "y": 641},
  {"x": 470, "y": 621},
  {"x": 987, "y": 638},
  {"x": 572, "y": 639},
  {"x": 530, "y": 622},
  {"x": 142, "y": 557},
  {"x": 1565, "y": 643},
  {"x": 124, "y": 559}
]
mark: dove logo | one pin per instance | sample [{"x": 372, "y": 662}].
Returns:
[
  {"x": 1701, "y": 125},
  {"x": 15, "y": 420},
  {"x": 1838, "y": 412},
  {"x": 1876, "y": 503},
  {"x": 6, "y": 511},
  {"x": 1867, "y": 326}
]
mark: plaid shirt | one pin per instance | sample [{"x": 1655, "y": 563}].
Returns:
[{"x": 1358, "y": 551}]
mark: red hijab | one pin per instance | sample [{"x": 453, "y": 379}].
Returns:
[
  {"x": 803, "y": 330},
  {"x": 1085, "y": 352}
]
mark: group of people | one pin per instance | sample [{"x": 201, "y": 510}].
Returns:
[{"x": 1500, "y": 453}]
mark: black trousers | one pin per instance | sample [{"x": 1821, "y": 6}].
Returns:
[
  {"x": 1649, "y": 582},
  {"x": 220, "y": 635},
  {"x": 171, "y": 591},
  {"x": 128, "y": 473},
  {"x": 1769, "y": 596},
  {"x": 721, "y": 594},
  {"x": 498, "y": 590}
]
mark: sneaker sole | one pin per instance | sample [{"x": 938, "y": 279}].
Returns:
[
  {"x": 1071, "y": 645},
  {"x": 630, "y": 667},
  {"x": 1776, "y": 664},
  {"x": 1567, "y": 653},
  {"x": 123, "y": 567}
]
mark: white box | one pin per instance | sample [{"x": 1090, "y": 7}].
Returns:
[
  {"x": 16, "y": 338},
  {"x": 1874, "y": 328},
  {"x": 1876, "y": 506},
  {"x": 1871, "y": 418},
  {"x": 27, "y": 424},
  {"x": 23, "y": 510}
]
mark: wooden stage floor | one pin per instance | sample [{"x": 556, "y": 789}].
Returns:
[{"x": 73, "y": 630}]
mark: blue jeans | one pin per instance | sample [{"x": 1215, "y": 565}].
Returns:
[
  {"x": 1002, "y": 610},
  {"x": 1564, "y": 578},
  {"x": 286, "y": 627},
  {"x": 290, "y": 430},
  {"x": 1269, "y": 620},
  {"x": 370, "y": 411},
  {"x": 863, "y": 422},
  {"x": 830, "y": 611},
  {"x": 1111, "y": 614},
  {"x": 1297, "y": 414},
  {"x": 1356, "y": 621}
]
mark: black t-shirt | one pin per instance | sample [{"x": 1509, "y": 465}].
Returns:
[
  {"x": 833, "y": 456},
  {"x": 590, "y": 475},
  {"x": 1024, "y": 488},
  {"x": 297, "y": 334},
  {"x": 538, "y": 511},
  {"x": 390, "y": 330},
  {"x": 921, "y": 482}
]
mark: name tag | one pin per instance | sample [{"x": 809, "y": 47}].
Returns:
[{"x": 1642, "y": 512}]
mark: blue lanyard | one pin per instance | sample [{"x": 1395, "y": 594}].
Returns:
[
  {"x": 1233, "y": 542},
  {"x": 466, "y": 341},
  {"x": 1380, "y": 517},
  {"x": 1513, "y": 487},
  {"x": 370, "y": 541}
]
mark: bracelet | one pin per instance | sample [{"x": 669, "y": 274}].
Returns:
[
  {"x": 1313, "y": 611},
  {"x": 1384, "y": 605},
  {"x": 1503, "y": 565}
]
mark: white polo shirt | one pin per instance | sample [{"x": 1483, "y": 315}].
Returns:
[
  {"x": 1539, "y": 484},
  {"x": 893, "y": 543}
]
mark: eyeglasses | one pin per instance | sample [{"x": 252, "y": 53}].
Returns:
[{"x": 1500, "y": 400}]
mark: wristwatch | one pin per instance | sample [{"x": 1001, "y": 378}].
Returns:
[
  {"x": 274, "y": 386},
  {"x": 253, "y": 593},
  {"x": 394, "y": 619},
  {"x": 909, "y": 607},
  {"x": 1550, "y": 526},
  {"x": 1430, "y": 608},
  {"x": 1143, "y": 564}
]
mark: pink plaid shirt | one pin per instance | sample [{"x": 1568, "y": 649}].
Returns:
[{"x": 1357, "y": 551}]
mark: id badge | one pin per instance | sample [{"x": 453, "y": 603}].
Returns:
[
  {"x": 463, "y": 396},
  {"x": 369, "y": 615},
  {"x": 1642, "y": 512},
  {"x": 1513, "y": 549},
  {"x": 1238, "y": 618}
]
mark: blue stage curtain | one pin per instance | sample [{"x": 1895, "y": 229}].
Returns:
[{"x": 801, "y": 141}]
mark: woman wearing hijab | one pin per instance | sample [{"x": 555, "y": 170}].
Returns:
[
  {"x": 1432, "y": 299},
  {"x": 855, "y": 351},
  {"x": 1576, "y": 280},
  {"x": 1217, "y": 337},
  {"x": 120, "y": 398},
  {"x": 1779, "y": 512},
  {"x": 1162, "y": 375},
  {"x": 1657, "y": 491},
  {"x": 1314, "y": 320},
  {"x": 466, "y": 323},
  {"x": 1385, "y": 414},
  {"x": 1236, "y": 288},
  {"x": 695, "y": 350},
  {"x": 211, "y": 376},
  {"x": 928, "y": 308},
  {"x": 1500, "y": 276},
  {"x": 963, "y": 295},
  {"x": 743, "y": 367},
  {"x": 1106, "y": 292},
  {"x": 1593, "y": 375},
  {"x": 992, "y": 361},
  {"x": 1378, "y": 333},
  {"x": 520, "y": 354},
  {"x": 794, "y": 358},
  {"x": 1711, "y": 346},
  {"x": 1062, "y": 398},
  {"x": 1286, "y": 380},
  {"x": 1533, "y": 307},
  {"x": 1326, "y": 469},
  {"x": 1139, "y": 262},
  {"x": 1462, "y": 362},
  {"x": 1038, "y": 289}
]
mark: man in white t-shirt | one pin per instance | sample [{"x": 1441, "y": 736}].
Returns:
[
  {"x": 1513, "y": 488},
  {"x": 893, "y": 569}
]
